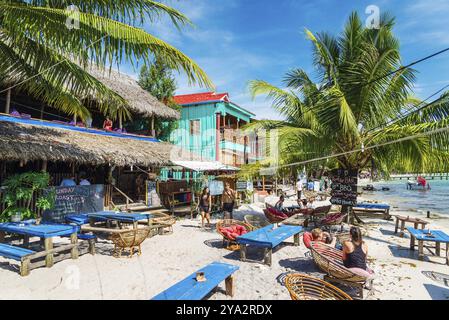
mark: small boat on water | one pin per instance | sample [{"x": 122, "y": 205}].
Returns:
[
  {"x": 370, "y": 187},
  {"x": 419, "y": 184}
]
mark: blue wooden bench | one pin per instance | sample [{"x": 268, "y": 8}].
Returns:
[
  {"x": 19, "y": 254},
  {"x": 91, "y": 239},
  {"x": 190, "y": 289}
]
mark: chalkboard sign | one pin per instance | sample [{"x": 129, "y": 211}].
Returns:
[
  {"x": 344, "y": 187},
  {"x": 216, "y": 187},
  {"x": 153, "y": 199},
  {"x": 244, "y": 186},
  {"x": 75, "y": 200}
]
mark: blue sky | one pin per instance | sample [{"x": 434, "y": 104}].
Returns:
[{"x": 235, "y": 41}]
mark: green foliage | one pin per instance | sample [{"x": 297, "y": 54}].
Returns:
[
  {"x": 36, "y": 44},
  {"x": 19, "y": 191},
  {"x": 351, "y": 104},
  {"x": 158, "y": 80}
]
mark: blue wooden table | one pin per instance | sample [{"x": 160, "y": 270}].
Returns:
[
  {"x": 191, "y": 289},
  {"x": 45, "y": 232},
  {"x": 268, "y": 238},
  {"x": 421, "y": 236}
]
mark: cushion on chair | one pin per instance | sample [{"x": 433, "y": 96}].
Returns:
[{"x": 277, "y": 213}]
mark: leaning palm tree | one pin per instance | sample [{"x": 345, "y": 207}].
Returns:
[
  {"x": 358, "y": 102},
  {"x": 45, "y": 48}
]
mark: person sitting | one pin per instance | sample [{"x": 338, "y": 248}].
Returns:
[
  {"x": 107, "y": 124},
  {"x": 83, "y": 180},
  {"x": 280, "y": 204},
  {"x": 310, "y": 204},
  {"x": 68, "y": 182},
  {"x": 355, "y": 253},
  {"x": 317, "y": 235}
]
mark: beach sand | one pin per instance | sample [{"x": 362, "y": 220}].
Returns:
[{"x": 170, "y": 258}]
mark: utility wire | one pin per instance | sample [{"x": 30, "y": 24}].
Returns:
[{"x": 440, "y": 130}]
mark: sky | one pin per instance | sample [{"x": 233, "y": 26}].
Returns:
[{"x": 236, "y": 41}]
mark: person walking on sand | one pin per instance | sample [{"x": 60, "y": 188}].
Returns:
[
  {"x": 299, "y": 189},
  {"x": 228, "y": 201},
  {"x": 205, "y": 206}
]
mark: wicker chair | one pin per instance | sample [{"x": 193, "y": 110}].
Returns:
[
  {"x": 164, "y": 222},
  {"x": 228, "y": 223},
  {"x": 337, "y": 221},
  {"x": 272, "y": 218},
  {"x": 330, "y": 260},
  {"x": 131, "y": 240},
  {"x": 303, "y": 287},
  {"x": 256, "y": 222}
]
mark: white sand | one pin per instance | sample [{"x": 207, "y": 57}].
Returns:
[{"x": 168, "y": 259}]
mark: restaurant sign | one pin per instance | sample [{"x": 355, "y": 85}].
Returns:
[{"x": 344, "y": 187}]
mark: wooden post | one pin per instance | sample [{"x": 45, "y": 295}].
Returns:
[
  {"x": 48, "y": 243},
  {"x": 42, "y": 111},
  {"x": 75, "y": 118},
  {"x": 153, "y": 133},
  {"x": 120, "y": 121},
  {"x": 263, "y": 183},
  {"x": 229, "y": 283},
  {"x": 44, "y": 166},
  {"x": 8, "y": 101},
  {"x": 428, "y": 214},
  {"x": 74, "y": 240}
]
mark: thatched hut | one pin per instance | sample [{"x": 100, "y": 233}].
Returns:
[{"x": 139, "y": 101}]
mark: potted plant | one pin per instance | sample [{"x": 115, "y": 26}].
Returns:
[{"x": 19, "y": 191}]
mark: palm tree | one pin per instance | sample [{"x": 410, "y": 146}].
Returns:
[
  {"x": 41, "y": 55},
  {"x": 352, "y": 104}
]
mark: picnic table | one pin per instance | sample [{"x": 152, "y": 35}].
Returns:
[
  {"x": 268, "y": 238},
  {"x": 416, "y": 222},
  {"x": 422, "y": 236},
  {"x": 191, "y": 289},
  {"x": 46, "y": 232}
]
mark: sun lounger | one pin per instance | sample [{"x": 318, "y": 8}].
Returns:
[
  {"x": 191, "y": 289},
  {"x": 268, "y": 238},
  {"x": 19, "y": 254}
]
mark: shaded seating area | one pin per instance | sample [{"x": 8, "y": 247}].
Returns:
[
  {"x": 200, "y": 284},
  {"x": 304, "y": 287},
  {"x": 330, "y": 261},
  {"x": 273, "y": 217}
]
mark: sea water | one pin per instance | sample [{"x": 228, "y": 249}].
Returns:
[{"x": 435, "y": 200}]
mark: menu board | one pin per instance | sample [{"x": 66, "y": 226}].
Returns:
[
  {"x": 216, "y": 187},
  {"x": 244, "y": 186},
  {"x": 153, "y": 199},
  {"x": 75, "y": 200},
  {"x": 344, "y": 187}
]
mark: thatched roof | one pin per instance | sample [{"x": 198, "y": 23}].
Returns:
[
  {"x": 30, "y": 142},
  {"x": 139, "y": 100}
]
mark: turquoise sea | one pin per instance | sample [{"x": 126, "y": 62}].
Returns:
[{"x": 435, "y": 200}]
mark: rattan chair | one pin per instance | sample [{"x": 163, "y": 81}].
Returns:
[
  {"x": 303, "y": 287},
  {"x": 256, "y": 222},
  {"x": 228, "y": 223},
  {"x": 330, "y": 260},
  {"x": 272, "y": 218},
  {"x": 164, "y": 222},
  {"x": 130, "y": 239},
  {"x": 338, "y": 221}
]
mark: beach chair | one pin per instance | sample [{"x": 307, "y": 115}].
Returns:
[
  {"x": 272, "y": 218},
  {"x": 333, "y": 220},
  {"x": 192, "y": 289},
  {"x": 226, "y": 223},
  {"x": 304, "y": 287},
  {"x": 330, "y": 260},
  {"x": 256, "y": 222},
  {"x": 130, "y": 239}
]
